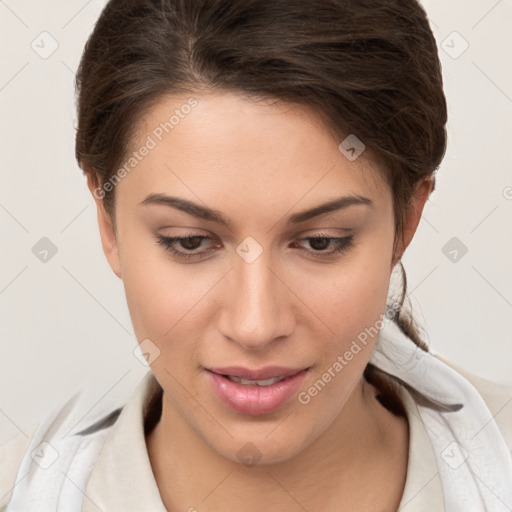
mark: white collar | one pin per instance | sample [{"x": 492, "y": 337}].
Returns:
[{"x": 475, "y": 464}]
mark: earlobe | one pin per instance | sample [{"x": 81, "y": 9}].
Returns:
[
  {"x": 109, "y": 241},
  {"x": 413, "y": 216}
]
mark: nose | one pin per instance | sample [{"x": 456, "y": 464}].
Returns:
[{"x": 257, "y": 305}]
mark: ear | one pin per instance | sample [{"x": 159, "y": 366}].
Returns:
[
  {"x": 413, "y": 216},
  {"x": 107, "y": 233}
]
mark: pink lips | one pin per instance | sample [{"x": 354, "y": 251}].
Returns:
[{"x": 255, "y": 400}]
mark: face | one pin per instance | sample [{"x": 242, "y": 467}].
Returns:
[{"x": 232, "y": 273}]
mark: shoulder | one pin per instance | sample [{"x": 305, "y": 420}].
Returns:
[
  {"x": 497, "y": 397},
  {"x": 58, "y": 435},
  {"x": 11, "y": 454}
]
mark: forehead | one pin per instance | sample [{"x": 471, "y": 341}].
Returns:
[{"x": 226, "y": 143}]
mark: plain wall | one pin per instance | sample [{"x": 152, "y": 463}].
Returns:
[{"x": 64, "y": 324}]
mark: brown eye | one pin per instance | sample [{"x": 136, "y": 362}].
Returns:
[
  {"x": 321, "y": 242},
  {"x": 188, "y": 243}
]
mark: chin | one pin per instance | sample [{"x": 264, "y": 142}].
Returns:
[{"x": 260, "y": 450}]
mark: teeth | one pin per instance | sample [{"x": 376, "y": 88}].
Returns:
[{"x": 266, "y": 382}]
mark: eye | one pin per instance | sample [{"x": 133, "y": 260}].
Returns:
[
  {"x": 189, "y": 243},
  {"x": 321, "y": 241}
]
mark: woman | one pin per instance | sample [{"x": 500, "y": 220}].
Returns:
[{"x": 259, "y": 169}]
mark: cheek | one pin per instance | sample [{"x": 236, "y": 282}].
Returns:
[
  {"x": 352, "y": 307},
  {"x": 348, "y": 298},
  {"x": 160, "y": 294}
]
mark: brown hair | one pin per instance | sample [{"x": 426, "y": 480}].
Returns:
[{"x": 367, "y": 67}]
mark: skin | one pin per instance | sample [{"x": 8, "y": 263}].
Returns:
[{"x": 258, "y": 163}]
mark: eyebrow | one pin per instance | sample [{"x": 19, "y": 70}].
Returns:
[{"x": 209, "y": 214}]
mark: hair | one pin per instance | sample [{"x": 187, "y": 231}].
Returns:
[{"x": 366, "y": 67}]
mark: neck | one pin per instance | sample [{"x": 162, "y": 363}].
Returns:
[{"x": 347, "y": 460}]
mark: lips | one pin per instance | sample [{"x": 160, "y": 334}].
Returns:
[
  {"x": 268, "y": 372},
  {"x": 251, "y": 391}
]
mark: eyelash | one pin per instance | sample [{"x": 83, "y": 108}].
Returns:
[{"x": 341, "y": 244}]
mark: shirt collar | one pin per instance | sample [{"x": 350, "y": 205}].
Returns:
[
  {"x": 122, "y": 478},
  {"x": 423, "y": 491}
]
